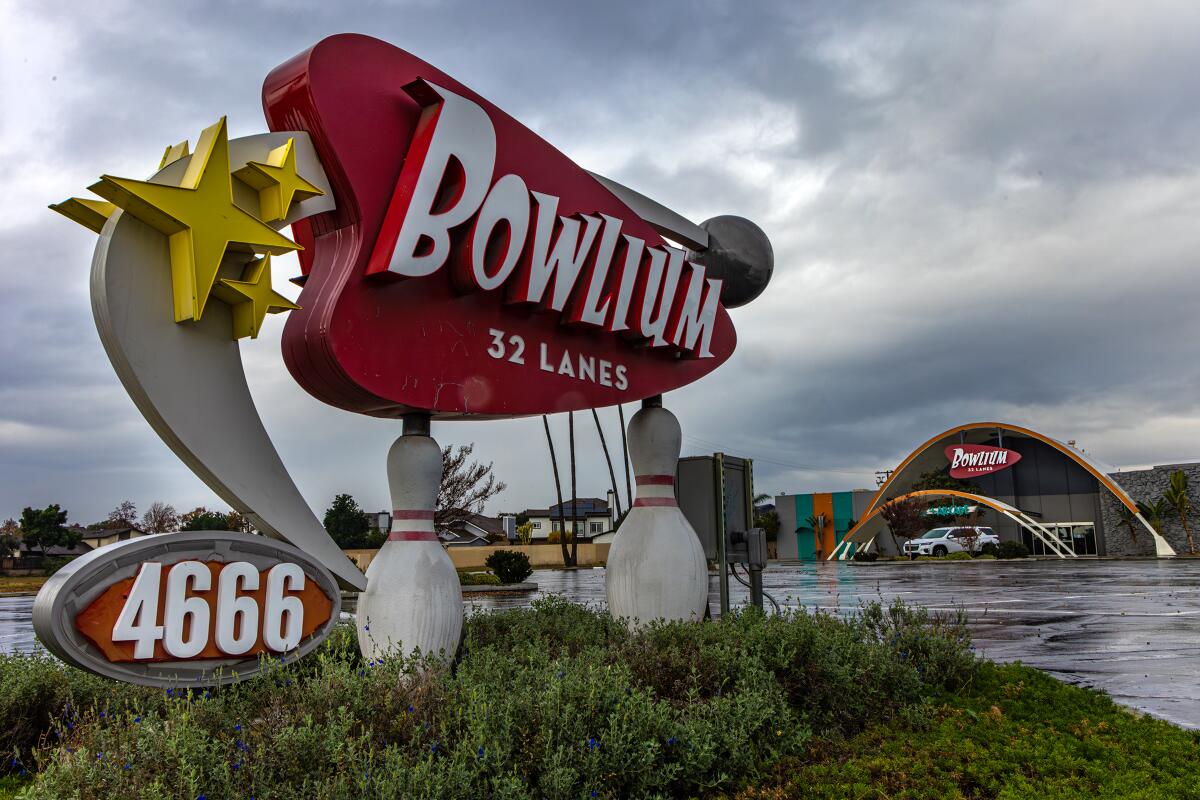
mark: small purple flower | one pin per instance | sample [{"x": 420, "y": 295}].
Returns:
[
  {"x": 592, "y": 743},
  {"x": 479, "y": 754},
  {"x": 410, "y": 708},
  {"x": 237, "y": 727},
  {"x": 137, "y": 719},
  {"x": 433, "y": 747}
]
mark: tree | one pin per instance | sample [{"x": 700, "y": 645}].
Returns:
[
  {"x": 201, "y": 519},
  {"x": 44, "y": 528},
  {"x": 1130, "y": 521},
  {"x": 238, "y": 522},
  {"x": 612, "y": 475},
  {"x": 525, "y": 532},
  {"x": 123, "y": 516},
  {"x": 1176, "y": 496},
  {"x": 574, "y": 491},
  {"x": 10, "y": 538},
  {"x": 968, "y": 534},
  {"x": 556, "y": 537},
  {"x": 1153, "y": 512},
  {"x": 465, "y": 486},
  {"x": 346, "y": 523},
  {"x": 817, "y": 523},
  {"x": 939, "y": 479},
  {"x": 767, "y": 520},
  {"x": 905, "y": 518},
  {"x": 160, "y": 518},
  {"x": 566, "y": 552}
]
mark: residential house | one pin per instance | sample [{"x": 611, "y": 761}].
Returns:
[
  {"x": 593, "y": 516},
  {"x": 473, "y": 530}
]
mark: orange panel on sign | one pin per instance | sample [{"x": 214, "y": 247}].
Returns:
[{"x": 97, "y": 620}]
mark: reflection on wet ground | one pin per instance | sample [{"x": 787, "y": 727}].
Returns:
[{"x": 1129, "y": 628}]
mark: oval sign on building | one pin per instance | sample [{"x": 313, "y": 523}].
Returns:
[
  {"x": 973, "y": 460},
  {"x": 198, "y": 608}
]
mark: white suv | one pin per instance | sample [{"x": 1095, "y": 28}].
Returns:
[{"x": 942, "y": 541}]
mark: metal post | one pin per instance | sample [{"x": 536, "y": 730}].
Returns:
[
  {"x": 722, "y": 561},
  {"x": 756, "y": 590}
]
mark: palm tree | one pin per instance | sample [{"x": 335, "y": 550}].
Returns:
[
  {"x": 1153, "y": 512},
  {"x": 817, "y": 523},
  {"x": 1176, "y": 496},
  {"x": 574, "y": 492},
  {"x": 625, "y": 457},
  {"x": 612, "y": 475},
  {"x": 566, "y": 554},
  {"x": 1129, "y": 521}
]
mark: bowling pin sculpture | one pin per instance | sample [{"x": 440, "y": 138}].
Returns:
[
  {"x": 413, "y": 598},
  {"x": 656, "y": 566}
]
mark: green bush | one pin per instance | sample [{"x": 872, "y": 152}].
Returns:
[
  {"x": 1012, "y": 550},
  {"x": 52, "y": 564},
  {"x": 478, "y": 579},
  {"x": 509, "y": 566},
  {"x": 558, "y": 701},
  {"x": 961, "y": 555},
  {"x": 989, "y": 549},
  {"x": 985, "y": 557}
]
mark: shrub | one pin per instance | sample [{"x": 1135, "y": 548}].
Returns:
[
  {"x": 558, "y": 701},
  {"x": 53, "y": 564},
  {"x": 1012, "y": 550},
  {"x": 989, "y": 549},
  {"x": 866, "y": 556},
  {"x": 985, "y": 557},
  {"x": 478, "y": 579},
  {"x": 509, "y": 566},
  {"x": 961, "y": 555}
]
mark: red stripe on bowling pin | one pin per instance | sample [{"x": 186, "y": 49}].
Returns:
[
  {"x": 655, "y": 491},
  {"x": 407, "y": 526}
]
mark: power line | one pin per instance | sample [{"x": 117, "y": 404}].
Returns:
[{"x": 803, "y": 467}]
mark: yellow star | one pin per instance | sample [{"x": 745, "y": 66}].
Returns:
[
  {"x": 199, "y": 219},
  {"x": 90, "y": 214},
  {"x": 277, "y": 183},
  {"x": 252, "y": 298}
]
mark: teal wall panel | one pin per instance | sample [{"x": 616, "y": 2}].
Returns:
[{"x": 806, "y": 542}]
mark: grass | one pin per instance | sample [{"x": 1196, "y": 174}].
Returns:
[
  {"x": 29, "y": 583},
  {"x": 1012, "y": 733},
  {"x": 561, "y": 701}
]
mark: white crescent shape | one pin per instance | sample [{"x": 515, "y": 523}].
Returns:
[{"x": 187, "y": 379}]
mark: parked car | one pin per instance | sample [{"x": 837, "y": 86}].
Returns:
[{"x": 942, "y": 541}]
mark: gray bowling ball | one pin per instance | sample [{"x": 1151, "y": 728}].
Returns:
[{"x": 738, "y": 253}]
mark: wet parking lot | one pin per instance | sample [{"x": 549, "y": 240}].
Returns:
[{"x": 1129, "y": 628}]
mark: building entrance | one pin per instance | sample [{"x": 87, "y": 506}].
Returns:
[{"x": 1080, "y": 537}]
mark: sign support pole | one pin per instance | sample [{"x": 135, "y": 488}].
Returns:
[{"x": 722, "y": 533}]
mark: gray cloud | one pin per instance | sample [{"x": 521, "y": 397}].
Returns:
[{"x": 978, "y": 210}]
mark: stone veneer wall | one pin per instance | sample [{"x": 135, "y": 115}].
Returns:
[{"x": 1147, "y": 485}]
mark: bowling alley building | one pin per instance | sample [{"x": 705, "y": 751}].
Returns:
[{"x": 1030, "y": 488}]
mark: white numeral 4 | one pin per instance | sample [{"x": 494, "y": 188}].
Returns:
[{"x": 138, "y": 620}]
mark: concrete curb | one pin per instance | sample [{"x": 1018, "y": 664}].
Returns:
[{"x": 502, "y": 588}]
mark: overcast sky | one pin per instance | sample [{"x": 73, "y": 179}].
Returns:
[{"x": 979, "y": 211}]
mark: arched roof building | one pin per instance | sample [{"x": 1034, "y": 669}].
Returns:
[{"x": 1033, "y": 487}]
